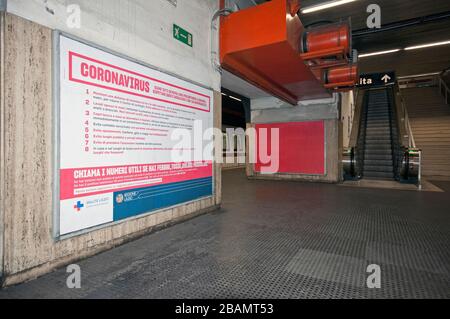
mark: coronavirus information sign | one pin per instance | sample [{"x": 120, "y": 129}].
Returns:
[{"x": 119, "y": 127}]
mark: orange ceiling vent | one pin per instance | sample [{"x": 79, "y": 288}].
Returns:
[{"x": 261, "y": 44}]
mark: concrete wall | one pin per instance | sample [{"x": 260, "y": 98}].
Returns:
[
  {"x": 2, "y": 142},
  {"x": 29, "y": 249},
  {"x": 347, "y": 116},
  {"x": 233, "y": 162},
  {"x": 141, "y": 29},
  {"x": 268, "y": 110},
  {"x": 233, "y": 159},
  {"x": 272, "y": 110}
]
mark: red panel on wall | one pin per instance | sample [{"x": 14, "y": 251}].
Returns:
[{"x": 301, "y": 147}]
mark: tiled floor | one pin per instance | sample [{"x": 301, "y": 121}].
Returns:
[{"x": 279, "y": 240}]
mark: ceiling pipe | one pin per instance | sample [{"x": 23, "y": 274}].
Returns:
[
  {"x": 403, "y": 24},
  {"x": 215, "y": 53}
]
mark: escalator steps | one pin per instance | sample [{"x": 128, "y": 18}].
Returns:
[{"x": 378, "y": 159}]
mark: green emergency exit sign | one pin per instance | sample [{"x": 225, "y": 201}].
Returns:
[{"x": 183, "y": 36}]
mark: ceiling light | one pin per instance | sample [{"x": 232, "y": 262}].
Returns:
[
  {"x": 378, "y": 53},
  {"x": 326, "y": 5},
  {"x": 417, "y": 75},
  {"x": 234, "y": 98},
  {"x": 427, "y": 45}
]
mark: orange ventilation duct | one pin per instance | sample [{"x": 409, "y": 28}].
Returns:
[
  {"x": 261, "y": 45},
  {"x": 327, "y": 51},
  {"x": 341, "y": 77},
  {"x": 268, "y": 46},
  {"x": 326, "y": 41}
]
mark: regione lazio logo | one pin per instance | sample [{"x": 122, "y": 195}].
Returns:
[
  {"x": 119, "y": 199},
  {"x": 78, "y": 206}
]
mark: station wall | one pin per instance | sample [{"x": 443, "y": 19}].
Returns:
[{"x": 141, "y": 31}]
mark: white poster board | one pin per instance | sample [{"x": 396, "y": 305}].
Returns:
[{"x": 116, "y": 144}]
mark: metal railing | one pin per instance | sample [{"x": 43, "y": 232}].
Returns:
[
  {"x": 397, "y": 132},
  {"x": 443, "y": 88},
  {"x": 404, "y": 121},
  {"x": 412, "y": 156}
]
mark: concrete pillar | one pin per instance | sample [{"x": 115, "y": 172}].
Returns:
[
  {"x": 273, "y": 111},
  {"x": 2, "y": 126}
]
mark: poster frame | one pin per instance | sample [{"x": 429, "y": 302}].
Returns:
[{"x": 56, "y": 134}]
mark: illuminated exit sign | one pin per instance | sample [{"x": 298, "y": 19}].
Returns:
[
  {"x": 182, "y": 35},
  {"x": 377, "y": 79}
]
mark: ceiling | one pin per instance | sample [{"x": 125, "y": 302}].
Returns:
[
  {"x": 392, "y": 11},
  {"x": 236, "y": 84}
]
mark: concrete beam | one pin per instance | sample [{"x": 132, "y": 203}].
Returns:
[{"x": 320, "y": 111}]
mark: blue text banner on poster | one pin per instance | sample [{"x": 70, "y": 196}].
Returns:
[{"x": 131, "y": 203}]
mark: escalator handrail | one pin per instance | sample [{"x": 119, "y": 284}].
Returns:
[
  {"x": 362, "y": 131},
  {"x": 403, "y": 120},
  {"x": 400, "y": 108}
]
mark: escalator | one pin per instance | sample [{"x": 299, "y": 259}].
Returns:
[
  {"x": 378, "y": 140},
  {"x": 384, "y": 149}
]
